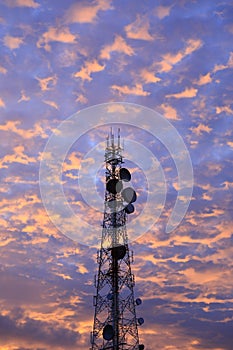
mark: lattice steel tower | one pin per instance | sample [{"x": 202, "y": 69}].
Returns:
[{"x": 115, "y": 322}]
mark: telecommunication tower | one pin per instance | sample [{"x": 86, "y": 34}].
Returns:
[{"x": 115, "y": 322}]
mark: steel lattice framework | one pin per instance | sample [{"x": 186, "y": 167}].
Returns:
[{"x": 115, "y": 323}]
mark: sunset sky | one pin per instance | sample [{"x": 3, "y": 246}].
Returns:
[{"x": 60, "y": 57}]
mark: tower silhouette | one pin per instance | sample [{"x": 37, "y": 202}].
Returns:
[{"x": 115, "y": 322}]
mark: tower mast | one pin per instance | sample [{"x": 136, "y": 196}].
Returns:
[{"x": 115, "y": 323}]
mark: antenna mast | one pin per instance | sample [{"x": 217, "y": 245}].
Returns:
[{"x": 115, "y": 323}]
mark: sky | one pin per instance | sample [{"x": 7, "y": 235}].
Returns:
[{"x": 62, "y": 57}]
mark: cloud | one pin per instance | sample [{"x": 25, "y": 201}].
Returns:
[
  {"x": 139, "y": 29},
  {"x": 200, "y": 129},
  {"x": 224, "y": 109},
  {"x": 12, "y": 127},
  {"x": 162, "y": 11},
  {"x": 148, "y": 76},
  {"x": 126, "y": 90},
  {"x": 23, "y": 97},
  {"x": 81, "y": 98},
  {"x": 22, "y": 3},
  {"x": 187, "y": 93},
  {"x": 62, "y": 35},
  {"x": 89, "y": 68},
  {"x": 169, "y": 59},
  {"x": 47, "y": 83},
  {"x": 81, "y": 12},
  {"x": 51, "y": 104},
  {"x": 230, "y": 60},
  {"x": 22, "y": 329},
  {"x": 3, "y": 70},
  {"x": 204, "y": 79},
  {"x": 2, "y": 103},
  {"x": 12, "y": 42},
  {"x": 17, "y": 157},
  {"x": 119, "y": 45},
  {"x": 169, "y": 112}
]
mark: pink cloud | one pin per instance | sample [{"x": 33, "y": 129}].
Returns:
[
  {"x": 126, "y": 90},
  {"x": 22, "y": 3},
  {"x": 89, "y": 67},
  {"x": 119, "y": 45},
  {"x": 187, "y": 93},
  {"x": 81, "y": 12},
  {"x": 12, "y": 42},
  {"x": 139, "y": 29},
  {"x": 54, "y": 34}
]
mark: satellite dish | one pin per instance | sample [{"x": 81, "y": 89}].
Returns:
[
  {"x": 141, "y": 347},
  {"x": 119, "y": 252},
  {"x": 129, "y": 209},
  {"x": 112, "y": 204},
  {"x": 125, "y": 174},
  {"x": 114, "y": 186},
  {"x": 138, "y": 301},
  {"x": 108, "y": 332},
  {"x": 129, "y": 195},
  {"x": 140, "y": 321}
]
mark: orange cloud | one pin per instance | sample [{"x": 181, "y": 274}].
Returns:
[
  {"x": 23, "y": 97},
  {"x": 3, "y": 70},
  {"x": 51, "y": 104},
  {"x": 22, "y": 3},
  {"x": 2, "y": 103},
  {"x": 226, "y": 109},
  {"x": 62, "y": 35},
  {"x": 17, "y": 157},
  {"x": 83, "y": 13},
  {"x": 12, "y": 42},
  {"x": 187, "y": 93},
  {"x": 135, "y": 90},
  {"x": 88, "y": 69},
  {"x": 219, "y": 67},
  {"x": 73, "y": 162},
  {"x": 163, "y": 11},
  {"x": 81, "y": 98},
  {"x": 139, "y": 29},
  {"x": 169, "y": 60},
  {"x": 169, "y": 112},
  {"x": 200, "y": 129},
  {"x": 12, "y": 126},
  {"x": 204, "y": 79},
  {"x": 230, "y": 60},
  {"x": 148, "y": 76},
  {"x": 119, "y": 45},
  {"x": 47, "y": 83}
]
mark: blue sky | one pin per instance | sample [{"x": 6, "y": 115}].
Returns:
[{"x": 59, "y": 57}]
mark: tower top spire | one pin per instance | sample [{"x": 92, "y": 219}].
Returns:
[{"x": 113, "y": 146}]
